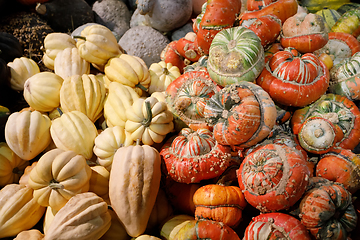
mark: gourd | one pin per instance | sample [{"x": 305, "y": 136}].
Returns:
[
  {"x": 18, "y": 210},
  {"x": 173, "y": 224},
  {"x": 99, "y": 181},
  {"x": 20, "y": 70},
  {"x": 133, "y": 186},
  {"x": 349, "y": 22},
  {"x": 27, "y": 133},
  {"x": 330, "y": 16},
  {"x": 32, "y": 234},
  {"x": 316, "y": 5},
  {"x": 58, "y": 176},
  {"x": 148, "y": 121},
  {"x": 84, "y": 216},
  {"x": 42, "y": 91},
  {"x": 161, "y": 75},
  {"x": 74, "y": 131},
  {"x": 68, "y": 62},
  {"x": 130, "y": 71},
  {"x": 84, "y": 93},
  {"x": 11, "y": 165},
  {"x": 53, "y": 44}
]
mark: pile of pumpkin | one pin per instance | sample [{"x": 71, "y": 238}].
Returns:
[{"x": 246, "y": 129}]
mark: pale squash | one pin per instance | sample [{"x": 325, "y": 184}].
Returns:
[
  {"x": 99, "y": 181},
  {"x": 74, "y": 131},
  {"x": 85, "y": 216},
  {"x": 171, "y": 227},
  {"x": 68, "y": 63},
  {"x": 42, "y": 91},
  {"x": 18, "y": 210},
  {"x": 32, "y": 234},
  {"x": 48, "y": 218},
  {"x": 84, "y": 93},
  {"x": 58, "y": 176},
  {"x": 20, "y": 70},
  {"x": 116, "y": 230},
  {"x": 28, "y": 133},
  {"x": 133, "y": 186},
  {"x": 161, "y": 75}
]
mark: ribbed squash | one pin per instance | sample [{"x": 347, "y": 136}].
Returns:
[
  {"x": 84, "y": 93},
  {"x": 97, "y": 44},
  {"x": 134, "y": 184},
  {"x": 173, "y": 225},
  {"x": 130, "y": 71},
  {"x": 147, "y": 237},
  {"x": 42, "y": 91},
  {"x": 329, "y": 15},
  {"x": 32, "y": 234},
  {"x": 119, "y": 98},
  {"x": 85, "y": 216},
  {"x": 53, "y": 44},
  {"x": 28, "y": 133},
  {"x": 99, "y": 181},
  {"x": 58, "y": 176},
  {"x": 11, "y": 165},
  {"x": 117, "y": 230},
  {"x": 18, "y": 210},
  {"x": 108, "y": 142},
  {"x": 149, "y": 121},
  {"x": 20, "y": 70},
  {"x": 68, "y": 62},
  {"x": 349, "y": 22},
  {"x": 161, "y": 75},
  {"x": 48, "y": 218},
  {"x": 316, "y": 5},
  {"x": 74, "y": 131}
]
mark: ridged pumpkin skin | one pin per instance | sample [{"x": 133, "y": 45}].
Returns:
[
  {"x": 58, "y": 176},
  {"x": 28, "y": 133},
  {"x": 119, "y": 98},
  {"x": 273, "y": 177},
  {"x": 20, "y": 70},
  {"x": 99, "y": 181},
  {"x": 42, "y": 91},
  {"x": 134, "y": 184},
  {"x": 349, "y": 22},
  {"x": 161, "y": 75},
  {"x": 68, "y": 63},
  {"x": 84, "y": 93},
  {"x": 53, "y": 44},
  {"x": 18, "y": 210},
  {"x": 11, "y": 165},
  {"x": 85, "y": 216},
  {"x": 74, "y": 131},
  {"x": 275, "y": 226},
  {"x": 235, "y": 55},
  {"x": 235, "y": 108}
]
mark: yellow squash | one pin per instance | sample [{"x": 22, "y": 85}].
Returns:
[
  {"x": 68, "y": 62},
  {"x": 20, "y": 70},
  {"x": 161, "y": 75}
]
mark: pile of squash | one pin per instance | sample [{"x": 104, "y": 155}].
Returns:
[{"x": 248, "y": 128}]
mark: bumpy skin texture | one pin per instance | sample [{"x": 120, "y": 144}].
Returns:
[{"x": 144, "y": 42}]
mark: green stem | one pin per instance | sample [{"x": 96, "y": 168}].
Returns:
[
  {"x": 59, "y": 110},
  {"x": 141, "y": 87},
  {"x": 80, "y": 37},
  {"x": 55, "y": 185},
  {"x": 147, "y": 121}
]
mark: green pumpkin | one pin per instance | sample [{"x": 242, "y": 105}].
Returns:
[
  {"x": 315, "y": 5},
  {"x": 235, "y": 55},
  {"x": 329, "y": 15},
  {"x": 347, "y": 6}
]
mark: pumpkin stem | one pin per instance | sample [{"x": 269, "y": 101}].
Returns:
[
  {"x": 147, "y": 121},
  {"x": 60, "y": 112},
  {"x": 55, "y": 185},
  {"x": 165, "y": 71},
  {"x": 80, "y": 37},
  {"x": 17, "y": 171},
  {"x": 141, "y": 87}
]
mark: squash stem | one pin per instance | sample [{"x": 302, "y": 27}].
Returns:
[
  {"x": 141, "y": 87},
  {"x": 80, "y": 37},
  {"x": 147, "y": 121},
  {"x": 60, "y": 112},
  {"x": 55, "y": 185}
]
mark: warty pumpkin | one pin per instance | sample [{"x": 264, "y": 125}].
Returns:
[
  {"x": 74, "y": 131},
  {"x": 18, "y": 210},
  {"x": 20, "y": 70},
  {"x": 133, "y": 186},
  {"x": 84, "y": 216},
  {"x": 68, "y": 62},
  {"x": 27, "y": 133}
]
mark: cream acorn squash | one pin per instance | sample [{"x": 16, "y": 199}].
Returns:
[
  {"x": 68, "y": 62},
  {"x": 20, "y": 70},
  {"x": 161, "y": 75}
]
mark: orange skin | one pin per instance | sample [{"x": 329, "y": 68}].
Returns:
[
  {"x": 170, "y": 55},
  {"x": 347, "y": 38}
]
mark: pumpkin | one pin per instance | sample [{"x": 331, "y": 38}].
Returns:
[
  {"x": 148, "y": 121},
  {"x": 58, "y": 176},
  {"x": 85, "y": 216},
  {"x": 26, "y": 174},
  {"x": 84, "y": 93},
  {"x": 342, "y": 166},
  {"x": 347, "y": 6},
  {"x": 133, "y": 186},
  {"x": 289, "y": 69},
  {"x": 10, "y": 47},
  {"x": 219, "y": 203},
  {"x": 349, "y": 22},
  {"x": 108, "y": 142},
  {"x": 235, "y": 108},
  {"x": 339, "y": 110},
  {"x": 32, "y": 234},
  {"x": 161, "y": 75},
  {"x": 235, "y": 55},
  {"x": 119, "y": 98},
  {"x": 11, "y": 165},
  {"x": 53, "y": 44},
  {"x": 187, "y": 95},
  {"x": 97, "y": 44},
  {"x": 345, "y": 77},
  {"x": 329, "y": 15},
  {"x": 68, "y": 63},
  {"x": 99, "y": 181},
  {"x": 27, "y": 133},
  {"x": 130, "y": 71},
  {"x": 273, "y": 177},
  {"x": 275, "y": 226},
  {"x": 147, "y": 237},
  {"x": 117, "y": 230},
  {"x": 171, "y": 226},
  {"x": 316, "y": 5},
  {"x": 306, "y": 32},
  {"x": 42, "y": 91},
  {"x": 18, "y": 210},
  {"x": 20, "y": 70},
  {"x": 48, "y": 218},
  {"x": 326, "y": 211},
  {"x": 74, "y": 131},
  {"x": 193, "y": 156},
  {"x": 170, "y": 55}
]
